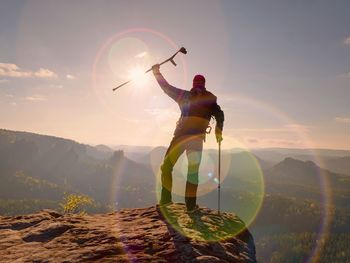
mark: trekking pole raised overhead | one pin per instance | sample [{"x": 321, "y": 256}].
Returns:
[
  {"x": 219, "y": 172},
  {"x": 171, "y": 59}
]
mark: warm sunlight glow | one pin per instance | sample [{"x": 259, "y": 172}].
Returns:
[{"x": 138, "y": 77}]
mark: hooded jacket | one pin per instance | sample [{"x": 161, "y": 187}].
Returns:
[{"x": 197, "y": 107}]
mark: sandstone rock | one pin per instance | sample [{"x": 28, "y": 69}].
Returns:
[{"x": 151, "y": 234}]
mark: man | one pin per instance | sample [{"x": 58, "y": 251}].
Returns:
[{"x": 197, "y": 107}]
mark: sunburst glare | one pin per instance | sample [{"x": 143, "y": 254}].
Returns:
[{"x": 138, "y": 77}]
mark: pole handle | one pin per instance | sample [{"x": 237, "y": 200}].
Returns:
[{"x": 171, "y": 59}]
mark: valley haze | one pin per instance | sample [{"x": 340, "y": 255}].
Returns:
[{"x": 282, "y": 195}]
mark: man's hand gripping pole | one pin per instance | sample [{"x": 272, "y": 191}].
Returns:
[{"x": 171, "y": 59}]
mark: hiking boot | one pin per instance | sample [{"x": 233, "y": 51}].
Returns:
[
  {"x": 191, "y": 203},
  {"x": 193, "y": 210}
]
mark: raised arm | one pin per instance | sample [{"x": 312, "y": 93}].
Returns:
[{"x": 174, "y": 93}]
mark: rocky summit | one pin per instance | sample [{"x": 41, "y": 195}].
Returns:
[{"x": 154, "y": 234}]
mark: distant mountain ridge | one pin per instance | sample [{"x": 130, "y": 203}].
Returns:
[
  {"x": 339, "y": 165},
  {"x": 69, "y": 167},
  {"x": 296, "y": 151},
  {"x": 34, "y": 174},
  {"x": 100, "y": 171}
]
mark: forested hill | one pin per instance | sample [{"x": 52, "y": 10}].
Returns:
[{"x": 36, "y": 170}]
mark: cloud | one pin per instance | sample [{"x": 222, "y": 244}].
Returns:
[
  {"x": 69, "y": 76},
  {"x": 285, "y": 143},
  {"x": 345, "y": 75},
  {"x": 13, "y": 71},
  {"x": 56, "y": 86},
  {"x": 141, "y": 55},
  {"x": 299, "y": 127},
  {"x": 251, "y": 140},
  {"x": 271, "y": 142},
  {"x": 342, "y": 119},
  {"x": 347, "y": 41},
  {"x": 45, "y": 73},
  {"x": 285, "y": 128},
  {"x": 35, "y": 98}
]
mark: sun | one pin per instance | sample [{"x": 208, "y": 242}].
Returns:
[{"x": 137, "y": 76}]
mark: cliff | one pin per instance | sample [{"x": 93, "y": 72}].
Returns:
[{"x": 130, "y": 235}]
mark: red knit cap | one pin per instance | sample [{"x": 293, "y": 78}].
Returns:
[{"x": 199, "y": 81}]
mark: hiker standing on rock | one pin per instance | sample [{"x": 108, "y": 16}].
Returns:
[{"x": 197, "y": 107}]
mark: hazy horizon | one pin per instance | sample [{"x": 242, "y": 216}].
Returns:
[{"x": 113, "y": 146}]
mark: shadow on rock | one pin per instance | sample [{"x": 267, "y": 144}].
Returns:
[{"x": 206, "y": 236}]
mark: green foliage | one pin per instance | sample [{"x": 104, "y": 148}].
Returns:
[
  {"x": 19, "y": 185},
  {"x": 294, "y": 247},
  {"x": 11, "y": 207},
  {"x": 74, "y": 203},
  {"x": 32, "y": 182}
]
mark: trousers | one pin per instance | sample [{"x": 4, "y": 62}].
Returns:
[{"x": 193, "y": 145}]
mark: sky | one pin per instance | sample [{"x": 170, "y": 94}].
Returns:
[{"x": 280, "y": 69}]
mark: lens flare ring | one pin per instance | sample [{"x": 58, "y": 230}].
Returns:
[
  {"x": 250, "y": 189},
  {"x": 210, "y": 176},
  {"x": 104, "y": 95},
  {"x": 300, "y": 132}
]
